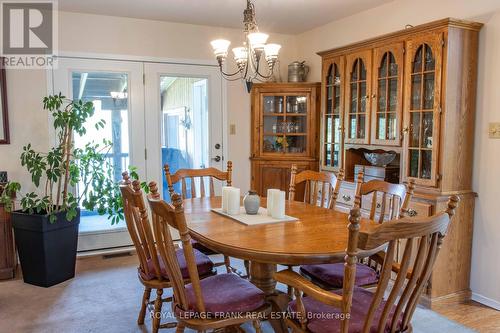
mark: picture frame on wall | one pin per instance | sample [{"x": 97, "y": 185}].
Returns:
[{"x": 4, "y": 118}]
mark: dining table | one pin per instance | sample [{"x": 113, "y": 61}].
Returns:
[{"x": 317, "y": 236}]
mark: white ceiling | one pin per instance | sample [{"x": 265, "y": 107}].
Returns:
[{"x": 284, "y": 16}]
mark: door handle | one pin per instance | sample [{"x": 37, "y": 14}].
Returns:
[{"x": 216, "y": 158}]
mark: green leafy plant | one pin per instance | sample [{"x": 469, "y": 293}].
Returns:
[
  {"x": 7, "y": 193},
  {"x": 65, "y": 166}
]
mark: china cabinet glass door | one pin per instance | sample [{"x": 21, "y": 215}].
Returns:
[
  {"x": 423, "y": 109},
  {"x": 285, "y": 124},
  {"x": 332, "y": 117},
  {"x": 387, "y": 88},
  {"x": 358, "y": 98}
]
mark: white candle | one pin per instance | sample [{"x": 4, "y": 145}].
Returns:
[
  {"x": 233, "y": 201},
  {"x": 269, "y": 205},
  {"x": 225, "y": 196},
  {"x": 278, "y": 211}
]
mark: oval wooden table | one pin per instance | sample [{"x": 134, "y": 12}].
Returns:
[{"x": 319, "y": 236}]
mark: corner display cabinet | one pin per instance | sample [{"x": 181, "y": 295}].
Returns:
[
  {"x": 411, "y": 93},
  {"x": 285, "y": 131}
]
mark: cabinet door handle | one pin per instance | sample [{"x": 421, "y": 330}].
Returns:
[
  {"x": 346, "y": 197},
  {"x": 379, "y": 205},
  {"x": 412, "y": 212}
]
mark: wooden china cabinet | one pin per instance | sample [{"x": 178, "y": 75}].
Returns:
[
  {"x": 285, "y": 121},
  {"x": 411, "y": 92}
]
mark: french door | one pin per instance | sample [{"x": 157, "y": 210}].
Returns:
[
  {"x": 155, "y": 114},
  {"x": 183, "y": 120}
]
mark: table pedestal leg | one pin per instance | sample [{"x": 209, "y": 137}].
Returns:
[{"x": 261, "y": 275}]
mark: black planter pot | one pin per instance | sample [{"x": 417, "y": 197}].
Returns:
[{"x": 47, "y": 251}]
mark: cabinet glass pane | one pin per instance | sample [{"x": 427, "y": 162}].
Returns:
[
  {"x": 328, "y": 128},
  {"x": 297, "y": 124},
  {"x": 393, "y": 67},
  {"x": 296, "y": 144},
  {"x": 417, "y": 61},
  {"x": 382, "y": 92},
  {"x": 414, "y": 162},
  {"x": 362, "y": 96},
  {"x": 336, "y": 153},
  {"x": 361, "y": 126},
  {"x": 381, "y": 126},
  {"x": 336, "y": 104},
  {"x": 391, "y": 126},
  {"x": 328, "y": 155},
  {"x": 382, "y": 72},
  {"x": 272, "y": 143},
  {"x": 427, "y": 124},
  {"x": 355, "y": 70},
  {"x": 296, "y": 104},
  {"x": 354, "y": 98},
  {"x": 416, "y": 91},
  {"x": 362, "y": 71},
  {"x": 428, "y": 91},
  {"x": 414, "y": 129},
  {"x": 352, "y": 126},
  {"x": 273, "y": 104},
  {"x": 425, "y": 168},
  {"x": 429, "y": 59},
  {"x": 336, "y": 128},
  {"x": 329, "y": 100},
  {"x": 393, "y": 94},
  {"x": 273, "y": 124}
]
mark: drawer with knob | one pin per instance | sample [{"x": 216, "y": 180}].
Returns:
[{"x": 419, "y": 209}]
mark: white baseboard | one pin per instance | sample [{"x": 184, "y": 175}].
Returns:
[{"x": 486, "y": 301}]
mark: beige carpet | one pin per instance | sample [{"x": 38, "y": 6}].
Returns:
[{"x": 104, "y": 297}]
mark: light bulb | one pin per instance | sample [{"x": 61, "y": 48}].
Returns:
[
  {"x": 220, "y": 47},
  {"x": 257, "y": 40},
  {"x": 272, "y": 50}
]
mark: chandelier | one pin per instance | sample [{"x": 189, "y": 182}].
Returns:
[{"x": 248, "y": 57}]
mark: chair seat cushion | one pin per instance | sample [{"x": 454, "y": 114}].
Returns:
[
  {"x": 333, "y": 274},
  {"x": 205, "y": 265},
  {"x": 226, "y": 293},
  {"x": 324, "y": 318}
]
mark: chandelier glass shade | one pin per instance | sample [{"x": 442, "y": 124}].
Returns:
[{"x": 248, "y": 57}]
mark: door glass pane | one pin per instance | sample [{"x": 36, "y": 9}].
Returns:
[
  {"x": 336, "y": 128},
  {"x": 417, "y": 61},
  {"x": 354, "y": 98},
  {"x": 328, "y": 128},
  {"x": 273, "y": 124},
  {"x": 184, "y": 127},
  {"x": 413, "y": 162},
  {"x": 109, "y": 94},
  {"x": 352, "y": 126},
  {"x": 362, "y": 96},
  {"x": 382, "y": 84},
  {"x": 383, "y": 66},
  {"x": 328, "y": 155},
  {"x": 329, "y": 100},
  {"x": 296, "y": 104},
  {"x": 429, "y": 59},
  {"x": 416, "y": 94},
  {"x": 381, "y": 126},
  {"x": 273, "y": 104},
  {"x": 414, "y": 129},
  {"x": 361, "y": 126},
  {"x": 393, "y": 94},
  {"x": 428, "y": 91},
  {"x": 393, "y": 67},
  {"x": 427, "y": 123},
  {"x": 391, "y": 126},
  {"x": 426, "y": 164}
]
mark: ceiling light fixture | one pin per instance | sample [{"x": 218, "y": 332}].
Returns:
[{"x": 248, "y": 56}]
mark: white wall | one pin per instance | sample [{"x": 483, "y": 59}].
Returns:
[
  {"x": 84, "y": 33},
  {"x": 394, "y": 16}
]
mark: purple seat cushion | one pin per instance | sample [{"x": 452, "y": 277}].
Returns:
[
  {"x": 226, "y": 293},
  {"x": 333, "y": 274},
  {"x": 205, "y": 265},
  {"x": 324, "y": 318}
]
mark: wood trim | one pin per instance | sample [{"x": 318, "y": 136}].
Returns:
[{"x": 402, "y": 35}]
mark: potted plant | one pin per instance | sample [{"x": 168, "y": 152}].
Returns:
[{"x": 46, "y": 228}]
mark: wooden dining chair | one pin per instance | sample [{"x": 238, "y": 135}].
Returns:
[
  {"x": 353, "y": 309},
  {"x": 320, "y": 188},
  {"x": 213, "y": 303},
  {"x": 196, "y": 178},
  {"x": 152, "y": 270},
  {"x": 394, "y": 204}
]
